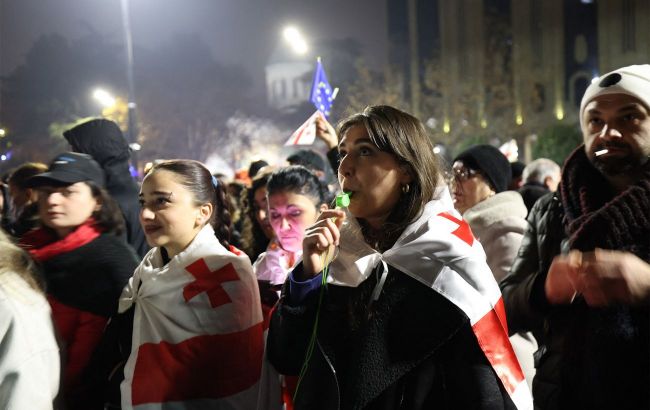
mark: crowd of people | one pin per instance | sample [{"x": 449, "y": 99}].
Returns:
[{"x": 408, "y": 283}]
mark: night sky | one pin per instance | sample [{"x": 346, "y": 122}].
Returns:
[{"x": 240, "y": 32}]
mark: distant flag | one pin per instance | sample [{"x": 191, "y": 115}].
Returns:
[
  {"x": 306, "y": 133},
  {"x": 322, "y": 94}
]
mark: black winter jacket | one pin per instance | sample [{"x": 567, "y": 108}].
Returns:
[
  {"x": 531, "y": 192},
  {"x": 588, "y": 358},
  {"x": 411, "y": 349},
  {"x": 523, "y": 288},
  {"x": 84, "y": 285}
]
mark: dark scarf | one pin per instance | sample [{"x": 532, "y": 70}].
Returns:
[
  {"x": 606, "y": 349},
  {"x": 598, "y": 217},
  {"x": 43, "y": 244}
]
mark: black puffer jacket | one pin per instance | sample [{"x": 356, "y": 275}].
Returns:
[
  {"x": 411, "y": 349},
  {"x": 103, "y": 140},
  {"x": 591, "y": 358},
  {"x": 523, "y": 288},
  {"x": 531, "y": 192}
]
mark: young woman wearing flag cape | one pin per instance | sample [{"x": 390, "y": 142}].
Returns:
[
  {"x": 197, "y": 328},
  {"x": 393, "y": 306}
]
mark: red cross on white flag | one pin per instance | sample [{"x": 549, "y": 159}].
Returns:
[{"x": 209, "y": 282}]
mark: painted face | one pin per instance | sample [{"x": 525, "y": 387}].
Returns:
[
  {"x": 373, "y": 177},
  {"x": 169, "y": 216},
  {"x": 65, "y": 208},
  {"x": 469, "y": 187},
  {"x": 260, "y": 209},
  {"x": 619, "y": 124},
  {"x": 290, "y": 214}
]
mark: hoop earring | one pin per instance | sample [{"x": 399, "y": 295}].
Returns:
[{"x": 406, "y": 188}]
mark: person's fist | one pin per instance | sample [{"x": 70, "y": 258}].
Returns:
[
  {"x": 614, "y": 277},
  {"x": 562, "y": 282},
  {"x": 320, "y": 241}
]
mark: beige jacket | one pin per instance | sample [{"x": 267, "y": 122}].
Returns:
[{"x": 499, "y": 223}]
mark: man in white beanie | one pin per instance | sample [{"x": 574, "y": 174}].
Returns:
[{"x": 581, "y": 280}]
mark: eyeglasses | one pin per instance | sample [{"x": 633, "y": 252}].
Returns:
[{"x": 463, "y": 174}]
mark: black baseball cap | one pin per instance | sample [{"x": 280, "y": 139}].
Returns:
[{"x": 69, "y": 168}]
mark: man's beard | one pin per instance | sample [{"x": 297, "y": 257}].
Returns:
[{"x": 616, "y": 165}]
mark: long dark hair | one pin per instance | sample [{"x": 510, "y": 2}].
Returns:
[
  {"x": 254, "y": 241},
  {"x": 198, "y": 180},
  {"x": 108, "y": 217},
  {"x": 401, "y": 134}
]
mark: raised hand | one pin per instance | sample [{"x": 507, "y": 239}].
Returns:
[
  {"x": 326, "y": 132},
  {"x": 320, "y": 241}
]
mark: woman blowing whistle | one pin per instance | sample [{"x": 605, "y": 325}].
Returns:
[{"x": 393, "y": 304}]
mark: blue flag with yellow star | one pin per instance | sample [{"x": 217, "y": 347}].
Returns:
[{"x": 321, "y": 91}]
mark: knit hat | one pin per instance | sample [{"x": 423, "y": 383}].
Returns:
[
  {"x": 632, "y": 80},
  {"x": 517, "y": 169},
  {"x": 490, "y": 162}
]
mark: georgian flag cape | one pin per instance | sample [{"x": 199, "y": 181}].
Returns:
[
  {"x": 197, "y": 330},
  {"x": 439, "y": 250}
]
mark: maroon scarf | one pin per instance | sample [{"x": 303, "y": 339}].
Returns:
[
  {"x": 597, "y": 216},
  {"x": 605, "y": 349},
  {"x": 43, "y": 244}
]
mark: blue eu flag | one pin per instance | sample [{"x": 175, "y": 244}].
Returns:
[{"x": 321, "y": 91}]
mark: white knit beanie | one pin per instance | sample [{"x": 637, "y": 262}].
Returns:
[{"x": 632, "y": 80}]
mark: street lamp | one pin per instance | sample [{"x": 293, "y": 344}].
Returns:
[
  {"x": 103, "y": 97},
  {"x": 295, "y": 39},
  {"x": 132, "y": 127},
  {"x": 128, "y": 42}
]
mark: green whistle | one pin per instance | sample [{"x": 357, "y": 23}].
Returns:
[{"x": 343, "y": 200}]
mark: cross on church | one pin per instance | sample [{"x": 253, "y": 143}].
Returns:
[{"x": 210, "y": 282}]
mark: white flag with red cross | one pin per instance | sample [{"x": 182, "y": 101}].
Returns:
[
  {"x": 440, "y": 251},
  {"x": 197, "y": 331}
]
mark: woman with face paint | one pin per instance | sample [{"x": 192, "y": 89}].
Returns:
[{"x": 295, "y": 198}]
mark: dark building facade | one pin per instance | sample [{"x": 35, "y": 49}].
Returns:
[{"x": 526, "y": 62}]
